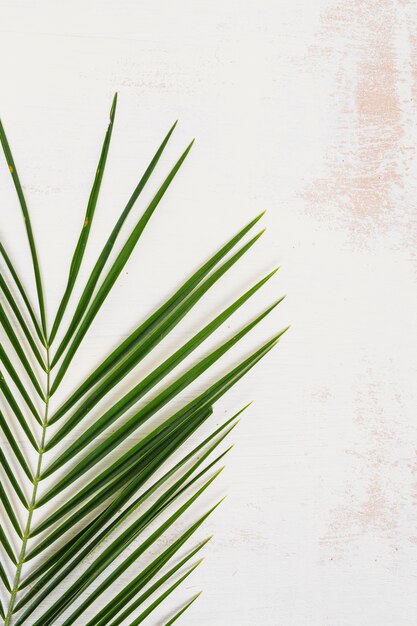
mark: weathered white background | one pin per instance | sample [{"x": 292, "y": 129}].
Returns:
[{"x": 306, "y": 109}]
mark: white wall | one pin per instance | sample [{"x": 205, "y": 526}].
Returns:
[{"x": 305, "y": 109}]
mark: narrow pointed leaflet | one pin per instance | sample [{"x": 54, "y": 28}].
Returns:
[{"x": 85, "y": 231}]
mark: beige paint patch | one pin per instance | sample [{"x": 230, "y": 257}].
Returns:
[
  {"x": 371, "y": 502},
  {"x": 366, "y": 159}
]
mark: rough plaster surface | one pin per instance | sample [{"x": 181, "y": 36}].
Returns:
[{"x": 308, "y": 110}]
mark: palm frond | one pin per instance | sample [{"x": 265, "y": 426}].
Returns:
[{"x": 118, "y": 505}]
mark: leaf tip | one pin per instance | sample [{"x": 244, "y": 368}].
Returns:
[{"x": 113, "y": 107}]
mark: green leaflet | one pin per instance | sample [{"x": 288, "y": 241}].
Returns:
[
  {"x": 25, "y": 212},
  {"x": 4, "y": 387},
  {"x": 8, "y": 329},
  {"x": 3, "y": 578},
  {"x": 12, "y": 478},
  {"x": 88, "y": 219},
  {"x": 6, "y": 545},
  {"x": 10, "y": 512},
  {"x": 80, "y": 547},
  {"x": 17, "y": 381},
  {"x": 178, "y": 615},
  {"x": 13, "y": 305},
  {"x": 14, "y": 446},
  {"x": 23, "y": 294}
]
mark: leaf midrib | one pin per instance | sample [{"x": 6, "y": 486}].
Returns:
[{"x": 32, "y": 503}]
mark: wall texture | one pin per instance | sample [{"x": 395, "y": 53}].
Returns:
[{"x": 305, "y": 109}]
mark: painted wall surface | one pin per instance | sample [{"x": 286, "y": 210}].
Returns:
[{"x": 307, "y": 110}]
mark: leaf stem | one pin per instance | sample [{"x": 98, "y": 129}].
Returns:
[{"x": 32, "y": 503}]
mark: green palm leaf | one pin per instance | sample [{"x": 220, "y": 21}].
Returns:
[{"x": 111, "y": 496}]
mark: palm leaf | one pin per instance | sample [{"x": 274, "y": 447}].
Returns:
[{"x": 112, "y": 497}]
